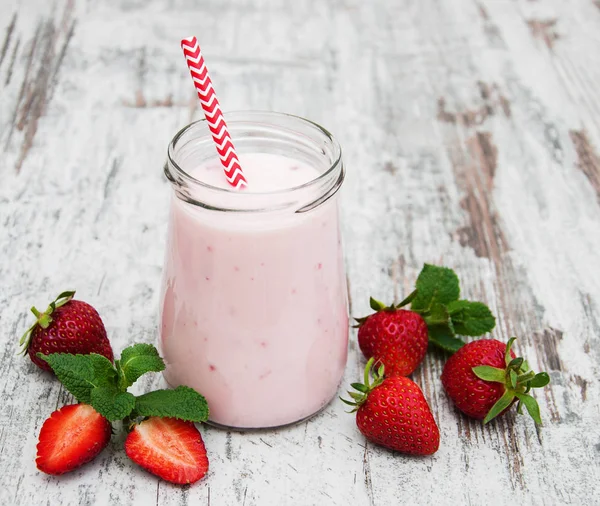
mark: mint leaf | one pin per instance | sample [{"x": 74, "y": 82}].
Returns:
[
  {"x": 183, "y": 403},
  {"x": 471, "y": 318},
  {"x": 81, "y": 373},
  {"x": 136, "y": 361},
  {"x": 442, "y": 337},
  {"x": 438, "y": 315},
  {"x": 111, "y": 403},
  {"x": 435, "y": 284},
  {"x": 104, "y": 371}
]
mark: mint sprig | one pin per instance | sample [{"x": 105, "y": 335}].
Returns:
[
  {"x": 92, "y": 379},
  {"x": 437, "y": 299}
]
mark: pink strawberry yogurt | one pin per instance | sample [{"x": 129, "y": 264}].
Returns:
[{"x": 254, "y": 305}]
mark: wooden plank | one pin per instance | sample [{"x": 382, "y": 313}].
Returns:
[{"x": 471, "y": 136}]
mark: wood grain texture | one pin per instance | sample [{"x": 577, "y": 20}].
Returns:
[{"x": 471, "y": 134}]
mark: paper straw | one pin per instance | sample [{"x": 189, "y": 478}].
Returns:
[{"x": 213, "y": 113}]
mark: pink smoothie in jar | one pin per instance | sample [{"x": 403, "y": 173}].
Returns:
[{"x": 254, "y": 303}]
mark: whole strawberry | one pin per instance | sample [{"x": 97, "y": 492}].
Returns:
[
  {"x": 67, "y": 326},
  {"x": 484, "y": 378},
  {"x": 399, "y": 338},
  {"x": 393, "y": 413},
  {"x": 395, "y": 337}
]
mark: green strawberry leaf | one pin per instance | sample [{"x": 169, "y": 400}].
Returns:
[
  {"x": 360, "y": 387},
  {"x": 407, "y": 300},
  {"x": 111, "y": 403},
  {"x": 136, "y": 361},
  {"x": 376, "y": 305},
  {"x": 435, "y": 284},
  {"x": 532, "y": 407},
  {"x": 507, "y": 355},
  {"x": 442, "y": 337},
  {"x": 539, "y": 380},
  {"x": 183, "y": 403},
  {"x": 81, "y": 373},
  {"x": 489, "y": 373},
  {"x": 471, "y": 318},
  {"x": 500, "y": 406},
  {"x": 515, "y": 363},
  {"x": 513, "y": 378},
  {"x": 520, "y": 408}
]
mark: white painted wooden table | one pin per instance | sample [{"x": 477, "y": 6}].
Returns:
[{"x": 471, "y": 134}]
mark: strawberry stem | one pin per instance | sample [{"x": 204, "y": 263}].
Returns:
[
  {"x": 367, "y": 378},
  {"x": 363, "y": 389},
  {"x": 407, "y": 300},
  {"x": 43, "y": 319}
]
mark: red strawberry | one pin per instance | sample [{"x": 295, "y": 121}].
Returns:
[
  {"x": 484, "y": 378},
  {"x": 67, "y": 326},
  {"x": 393, "y": 413},
  {"x": 169, "y": 448},
  {"x": 72, "y": 436},
  {"x": 396, "y": 338}
]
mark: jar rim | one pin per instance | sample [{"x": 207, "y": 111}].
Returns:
[{"x": 247, "y": 116}]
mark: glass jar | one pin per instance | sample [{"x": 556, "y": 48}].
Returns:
[{"x": 254, "y": 310}]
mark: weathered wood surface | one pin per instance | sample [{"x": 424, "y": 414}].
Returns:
[{"x": 471, "y": 133}]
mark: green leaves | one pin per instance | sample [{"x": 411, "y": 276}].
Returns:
[
  {"x": 376, "y": 305},
  {"x": 92, "y": 379},
  {"x": 488, "y": 373},
  {"x": 111, "y": 403},
  {"x": 518, "y": 380},
  {"x": 136, "y": 361},
  {"x": 80, "y": 374},
  {"x": 500, "y": 405},
  {"x": 436, "y": 300},
  {"x": 183, "y": 403},
  {"x": 442, "y": 337},
  {"x": 532, "y": 407},
  {"x": 540, "y": 380},
  {"x": 471, "y": 318},
  {"x": 435, "y": 284},
  {"x": 438, "y": 315}
]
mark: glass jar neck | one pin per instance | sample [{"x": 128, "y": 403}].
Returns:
[{"x": 257, "y": 132}]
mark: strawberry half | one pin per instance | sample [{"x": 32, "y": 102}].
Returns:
[
  {"x": 484, "y": 379},
  {"x": 67, "y": 326},
  {"x": 72, "y": 436},
  {"x": 169, "y": 448},
  {"x": 395, "y": 337},
  {"x": 393, "y": 413}
]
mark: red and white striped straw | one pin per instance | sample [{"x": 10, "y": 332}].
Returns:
[{"x": 213, "y": 113}]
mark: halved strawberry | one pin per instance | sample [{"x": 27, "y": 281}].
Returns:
[
  {"x": 72, "y": 436},
  {"x": 169, "y": 448}
]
